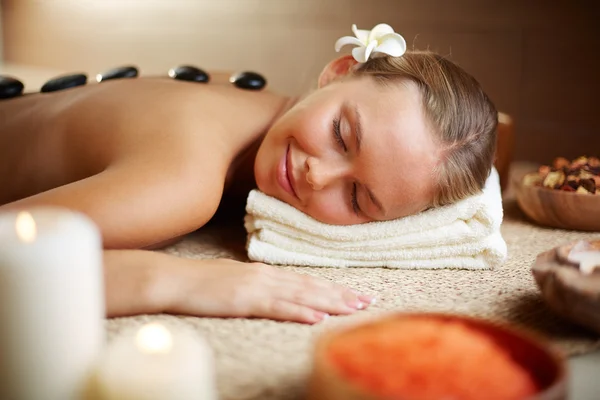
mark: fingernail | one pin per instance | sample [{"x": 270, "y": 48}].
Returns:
[
  {"x": 321, "y": 316},
  {"x": 355, "y": 304},
  {"x": 366, "y": 299},
  {"x": 373, "y": 301}
]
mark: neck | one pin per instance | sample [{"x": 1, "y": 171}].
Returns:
[{"x": 240, "y": 178}]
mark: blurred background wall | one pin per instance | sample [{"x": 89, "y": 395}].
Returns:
[
  {"x": 538, "y": 59},
  {"x": 1, "y": 38}
]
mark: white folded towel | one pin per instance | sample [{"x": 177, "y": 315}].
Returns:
[{"x": 461, "y": 235}]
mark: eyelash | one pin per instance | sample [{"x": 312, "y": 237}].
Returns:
[
  {"x": 338, "y": 138},
  {"x": 354, "y": 200},
  {"x": 338, "y": 135}
]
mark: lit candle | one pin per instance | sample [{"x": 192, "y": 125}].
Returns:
[
  {"x": 155, "y": 363},
  {"x": 51, "y": 304}
]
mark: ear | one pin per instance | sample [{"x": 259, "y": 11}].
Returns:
[{"x": 335, "y": 69}]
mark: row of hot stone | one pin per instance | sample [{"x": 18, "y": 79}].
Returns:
[{"x": 11, "y": 87}]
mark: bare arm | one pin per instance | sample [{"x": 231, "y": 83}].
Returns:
[
  {"x": 137, "y": 208},
  {"x": 145, "y": 282},
  {"x": 139, "y": 204},
  {"x": 132, "y": 284}
]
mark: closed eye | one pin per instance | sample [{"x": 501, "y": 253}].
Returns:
[
  {"x": 354, "y": 200},
  {"x": 338, "y": 135}
]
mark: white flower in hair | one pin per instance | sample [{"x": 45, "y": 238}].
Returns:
[{"x": 381, "y": 39}]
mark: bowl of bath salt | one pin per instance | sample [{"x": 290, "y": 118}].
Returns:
[
  {"x": 435, "y": 356},
  {"x": 568, "y": 277}
]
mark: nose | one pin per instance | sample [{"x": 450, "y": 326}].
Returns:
[{"x": 320, "y": 174}]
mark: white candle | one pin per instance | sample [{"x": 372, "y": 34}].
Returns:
[
  {"x": 51, "y": 304},
  {"x": 156, "y": 363}
]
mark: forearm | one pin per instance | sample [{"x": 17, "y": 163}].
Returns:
[
  {"x": 139, "y": 281},
  {"x": 146, "y": 282}
]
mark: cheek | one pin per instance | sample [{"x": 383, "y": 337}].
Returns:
[
  {"x": 260, "y": 170},
  {"x": 266, "y": 161},
  {"x": 311, "y": 132},
  {"x": 331, "y": 207}
]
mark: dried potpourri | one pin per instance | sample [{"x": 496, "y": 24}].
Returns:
[{"x": 582, "y": 175}]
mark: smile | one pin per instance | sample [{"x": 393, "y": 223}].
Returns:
[{"x": 285, "y": 177}]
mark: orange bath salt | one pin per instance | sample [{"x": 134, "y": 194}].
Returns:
[{"x": 426, "y": 358}]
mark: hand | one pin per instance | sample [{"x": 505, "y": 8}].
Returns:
[{"x": 227, "y": 288}]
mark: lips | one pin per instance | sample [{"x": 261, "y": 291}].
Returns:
[
  {"x": 285, "y": 177},
  {"x": 290, "y": 170}
]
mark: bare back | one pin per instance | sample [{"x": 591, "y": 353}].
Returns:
[{"x": 147, "y": 159}]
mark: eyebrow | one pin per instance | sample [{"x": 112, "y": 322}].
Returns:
[
  {"x": 358, "y": 136},
  {"x": 358, "y": 129}
]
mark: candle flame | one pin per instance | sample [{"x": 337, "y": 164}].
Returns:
[
  {"x": 25, "y": 226},
  {"x": 154, "y": 338}
]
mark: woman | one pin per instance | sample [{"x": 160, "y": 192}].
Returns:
[{"x": 150, "y": 160}]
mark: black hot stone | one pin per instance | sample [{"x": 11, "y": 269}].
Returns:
[
  {"x": 64, "y": 82},
  {"x": 248, "y": 80},
  {"x": 189, "y": 73},
  {"x": 118, "y": 73},
  {"x": 10, "y": 87}
]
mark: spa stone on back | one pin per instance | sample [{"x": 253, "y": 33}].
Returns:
[
  {"x": 10, "y": 87},
  {"x": 64, "y": 82},
  {"x": 118, "y": 73},
  {"x": 248, "y": 80},
  {"x": 189, "y": 73},
  {"x": 51, "y": 304}
]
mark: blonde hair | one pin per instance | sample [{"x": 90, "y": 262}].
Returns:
[{"x": 463, "y": 117}]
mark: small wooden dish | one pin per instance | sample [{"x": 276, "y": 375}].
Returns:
[
  {"x": 566, "y": 290},
  {"x": 546, "y": 365},
  {"x": 557, "y": 208},
  {"x": 505, "y": 145}
]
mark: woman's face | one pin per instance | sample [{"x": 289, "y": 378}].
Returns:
[{"x": 351, "y": 152}]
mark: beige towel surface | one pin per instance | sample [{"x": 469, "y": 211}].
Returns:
[{"x": 462, "y": 235}]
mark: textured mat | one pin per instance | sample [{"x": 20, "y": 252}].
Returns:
[{"x": 259, "y": 359}]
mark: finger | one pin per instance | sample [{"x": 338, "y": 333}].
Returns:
[
  {"x": 322, "y": 299},
  {"x": 351, "y": 297},
  {"x": 328, "y": 296},
  {"x": 367, "y": 299},
  {"x": 282, "y": 310}
]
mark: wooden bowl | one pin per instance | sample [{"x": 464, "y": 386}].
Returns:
[
  {"x": 546, "y": 365},
  {"x": 557, "y": 208},
  {"x": 505, "y": 144},
  {"x": 566, "y": 289}
]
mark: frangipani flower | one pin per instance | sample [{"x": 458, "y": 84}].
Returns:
[{"x": 381, "y": 39}]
